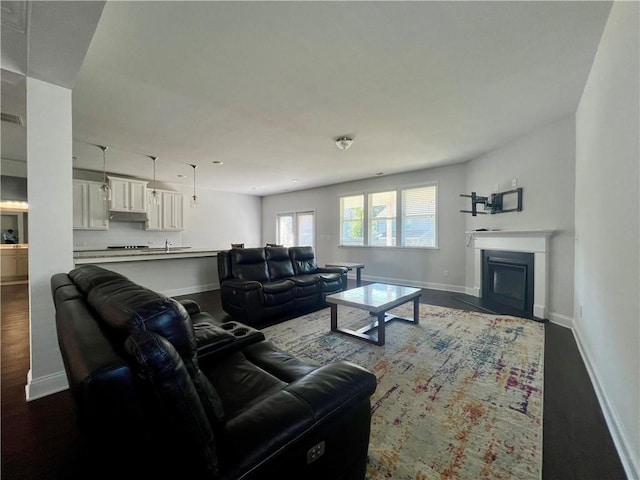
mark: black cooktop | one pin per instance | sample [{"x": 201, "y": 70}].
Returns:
[{"x": 127, "y": 247}]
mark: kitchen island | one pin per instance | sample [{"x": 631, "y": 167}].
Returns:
[{"x": 178, "y": 271}]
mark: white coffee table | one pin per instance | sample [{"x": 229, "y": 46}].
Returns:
[{"x": 377, "y": 298}]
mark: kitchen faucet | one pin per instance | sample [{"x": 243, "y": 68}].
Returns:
[{"x": 166, "y": 245}]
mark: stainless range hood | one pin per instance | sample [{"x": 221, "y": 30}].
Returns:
[{"x": 127, "y": 217}]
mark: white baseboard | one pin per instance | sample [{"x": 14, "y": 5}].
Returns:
[
  {"x": 562, "y": 320},
  {"x": 43, "y": 386},
  {"x": 472, "y": 291},
  {"x": 618, "y": 434},
  {"x": 412, "y": 283}
]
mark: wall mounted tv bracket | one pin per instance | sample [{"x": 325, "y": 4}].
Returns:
[{"x": 493, "y": 204}]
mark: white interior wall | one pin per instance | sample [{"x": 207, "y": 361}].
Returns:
[
  {"x": 607, "y": 256},
  {"x": 222, "y": 219},
  {"x": 418, "y": 267},
  {"x": 49, "y": 152},
  {"x": 543, "y": 164}
]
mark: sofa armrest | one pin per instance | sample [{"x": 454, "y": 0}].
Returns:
[
  {"x": 245, "y": 285},
  {"x": 333, "y": 386},
  {"x": 243, "y": 300},
  {"x": 301, "y": 406},
  {"x": 340, "y": 270},
  {"x": 191, "y": 306}
]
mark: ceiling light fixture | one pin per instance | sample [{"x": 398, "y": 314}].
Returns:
[
  {"x": 344, "y": 142},
  {"x": 217, "y": 162},
  {"x": 105, "y": 191},
  {"x": 194, "y": 198},
  {"x": 154, "y": 192}
]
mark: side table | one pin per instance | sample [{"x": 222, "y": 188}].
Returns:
[{"x": 350, "y": 266}]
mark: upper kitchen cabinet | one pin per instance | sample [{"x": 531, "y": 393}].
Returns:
[
  {"x": 172, "y": 210},
  {"x": 167, "y": 213},
  {"x": 128, "y": 195},
  {"x": 89, "y": 208}
]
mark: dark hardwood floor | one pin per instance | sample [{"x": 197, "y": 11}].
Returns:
[{"x": 39, "y": 439}]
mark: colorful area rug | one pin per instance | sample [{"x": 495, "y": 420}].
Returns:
[{"x": 459, "y": 396}]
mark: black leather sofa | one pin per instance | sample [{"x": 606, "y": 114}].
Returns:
[
  {"x": 257, "y": 284},
  {"x": 162, "y": 390}
]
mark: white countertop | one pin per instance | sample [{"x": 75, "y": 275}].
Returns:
[
  {"x": 83, "y": 256},
  {"x": 13, "y": 246}
]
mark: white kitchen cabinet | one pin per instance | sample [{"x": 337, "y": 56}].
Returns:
[
  {"x": 22, "y": 262},
  {"x": 172, "y": 210},
  {"x": 9, "y": 265},
  {"x": 128, "y": 195},
  {"x": 167, "y": 213},
  {"x": 154, "y": 211},
  {"x": 80, "y": 193},
  {"x": 14, "y": 262},
  {"x": 89, "y": 208}
]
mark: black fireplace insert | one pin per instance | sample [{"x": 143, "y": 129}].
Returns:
[{"x": 507, "y": 279}]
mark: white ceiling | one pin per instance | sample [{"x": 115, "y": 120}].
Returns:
[{"x": 265, "y": 87}]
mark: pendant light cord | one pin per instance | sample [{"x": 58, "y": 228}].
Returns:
[
  {"x": 154, "y": 192},
  {"x": 104, "y": 164},
  {"x": 194, "y": 201}
]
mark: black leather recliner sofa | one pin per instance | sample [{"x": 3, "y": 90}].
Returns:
[
  {"x": 164, "y": 391},
  {"x": 257, "y": 284}
]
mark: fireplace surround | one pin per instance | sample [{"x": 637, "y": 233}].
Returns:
[{"x": 535, "y": 242}]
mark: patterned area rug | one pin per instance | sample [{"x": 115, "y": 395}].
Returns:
[{"x": 459, "y": 396}]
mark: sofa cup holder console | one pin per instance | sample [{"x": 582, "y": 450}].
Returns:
[
  {"x": 243, "y": 334},
  {"x": 238, "y": 329}
]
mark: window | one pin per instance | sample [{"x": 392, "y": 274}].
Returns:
[
  {"x": 382, "y": 219},
  {"x": 419, "y": 217},
  {"x": 405, "y": 217},
  {"x": 352, "y": 220},
  {"x": 297, "y": 228}
]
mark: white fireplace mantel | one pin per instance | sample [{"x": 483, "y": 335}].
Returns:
[{"x": 530, "y": 241}]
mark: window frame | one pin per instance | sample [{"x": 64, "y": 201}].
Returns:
[
  {"x": 401, "y": 217},
  {"x": 364, "y": 221},
  {"x": 295, "y": 215},
  {"x": 388, "y": 219},
  {"x": 398, "y": 218}
]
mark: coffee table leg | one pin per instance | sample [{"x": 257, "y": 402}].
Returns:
[
  {"x": 358, "y": 277},
  {"x": 416, "y": 310},
  {"x": 381, "y": 323},
  {"x": 334, "y": 317}
]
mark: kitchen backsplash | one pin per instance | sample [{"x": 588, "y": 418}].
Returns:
[{"x": 123, "y": 233}]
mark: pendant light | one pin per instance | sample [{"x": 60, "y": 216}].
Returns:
[
  {"x": 154, "y": 192},
  {"x": 105, "y": 191},
  {"x": 194, "y": 198}
]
